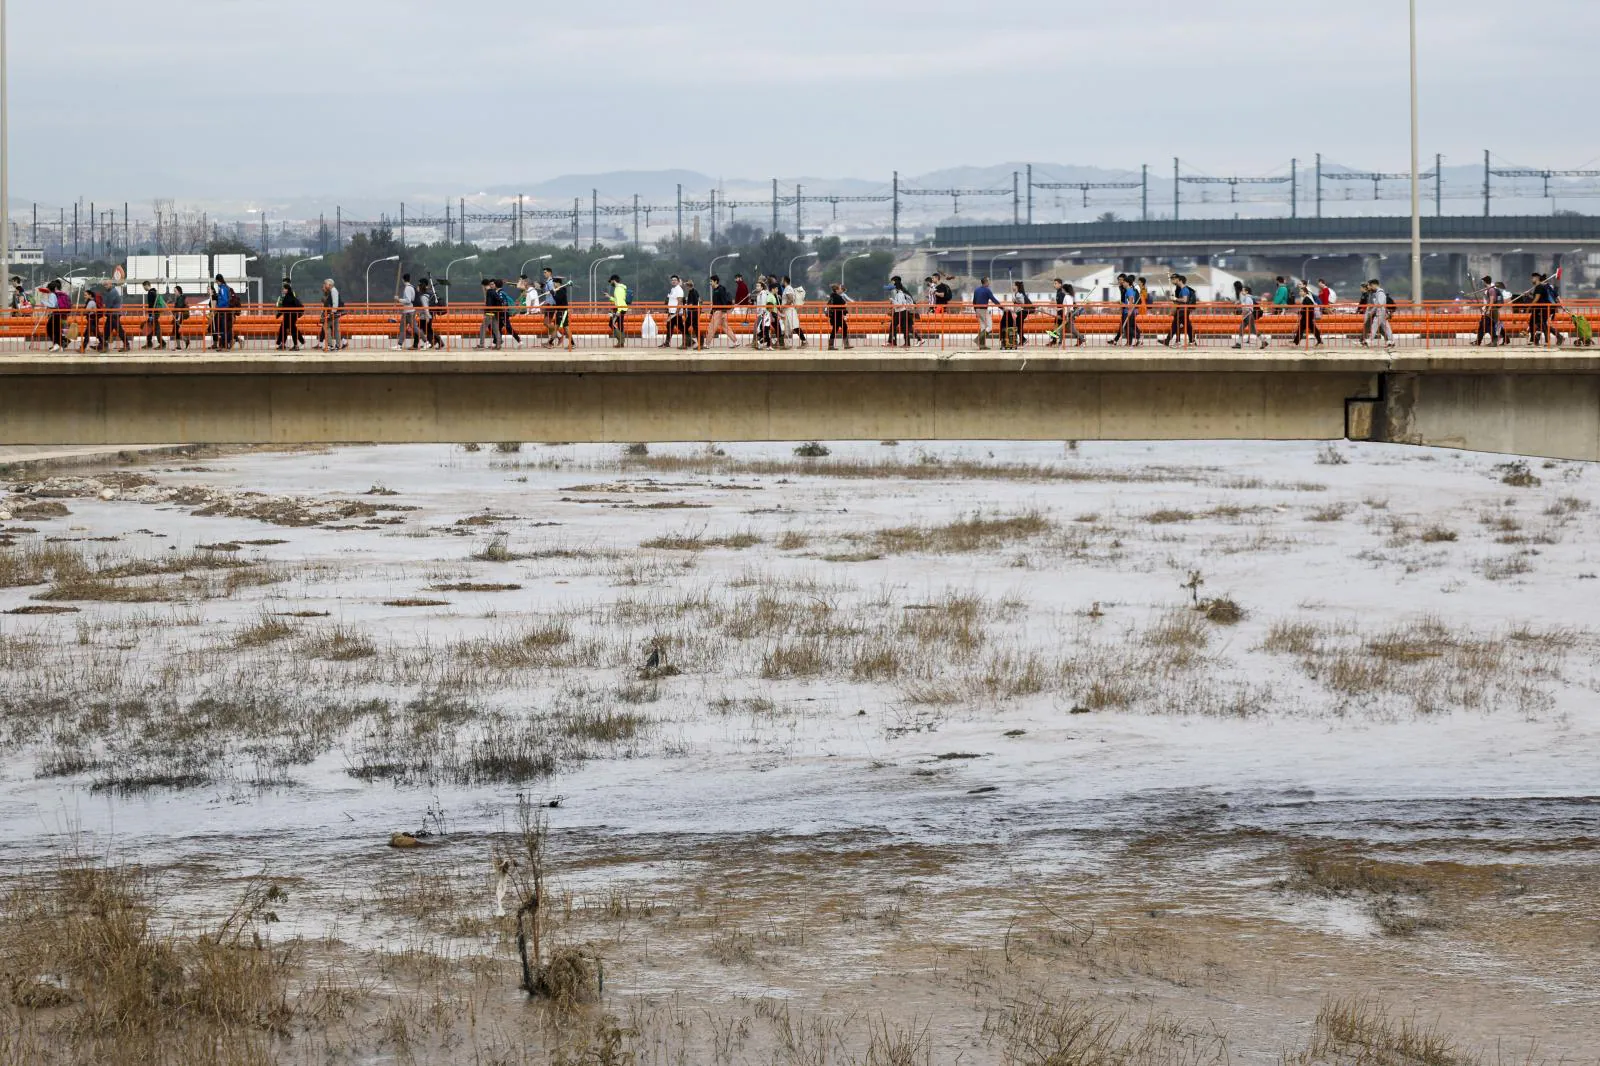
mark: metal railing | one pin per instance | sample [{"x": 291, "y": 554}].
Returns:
[{"x": 1436, "y": 324}]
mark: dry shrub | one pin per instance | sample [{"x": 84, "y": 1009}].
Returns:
[
  {"x": 87, "y": 932},
  {"x": 1291, "y": 638},
  {"x": 968, "y": 534},
  {"x": 606, "y": 727},
  {"x": 1223, "y": 611},
  {"x": 681, "y": 542},
  {"x": 1437, "y": 535},
  {"x": 1333, "y": 512},
  {"x": 544, "y": 645},
  {"x": 339, "y": 643},
  {"x": 1075, "y": 1032},
  {"x": 1168, "y": 516},
  {"x": 802, "y": 657},
  {"x": 1182, "y": 632},
  {"x": 266, "y": 629},
  {"x": 792, "y": 540},
  {"x": 1362, "y": 1032},
  {"x": 876, "y": 662},
  {"x": 896, "y": 1045},
  {"x": 953, "y": 626},
  {"x": 38, "y": 564},
  {"x": 570, "y": 978}
]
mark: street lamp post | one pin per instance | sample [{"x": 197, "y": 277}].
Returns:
[
  {"x": 712, "y": 269},
  {"x": 1002, "y": 255},
  {"x": 1306, "y": 265},
  {"x": 850, "y": 259},
  {"x": 796, "y": 259},
  {"x": 523, "y": 270},
  {"x": 464, "y": 259},
  {"x": 375, "y": 262},
  {"x": 298, "y": 262},
  {"x": 1416, "y": 178},
  {"x": 603, "y": 259}
]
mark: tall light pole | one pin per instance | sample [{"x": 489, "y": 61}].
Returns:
[
  {"x": 796, "y": 259},
  {"x": 850, "y": 259},
  {"x": 1002, "y": 255},
  {"x": 613, "y": 258},
  {"x": 523, "y": 272},
  {"x": 1416, "y": 175},
  {"x": 375, "y": 262},
  {"x": 447, "y": 266},
  {"x": 297, "y": 262},
  {"x": 712, "y": 269}
]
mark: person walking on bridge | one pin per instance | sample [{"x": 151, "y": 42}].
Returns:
[
  {"x": 547, "y": 303},
  {"x": 407, "y": 299},
  {"x": 1378, "y": 314},
  {"x": 561, "y": 294},
  {"x": 691, "y": 316},
  {"x": 617, "y": 293},
  {"x": 1183, "y": 301},
  {"x": 983, "y": 304},
  {"x": 839, "y": 316},
  {"x": 289, "y": 308},
  {"x": 490, "y": 326},
  {"x": 674, "y": 310},
  {"x": 1248, "y": 314},
  {"x": 1489, "y": 320},
  {"x": 794, "y": 297},
  {"x": 332, "y": 309},
  {"x": 721, "y": 303},
  {"x": 152, "y": 317},
  {"x": 179, "y": 302},
  {"x": 1307, "y": 323},
  {"x": 113, "y": 317},
  {"x": 901, "y": 301}
]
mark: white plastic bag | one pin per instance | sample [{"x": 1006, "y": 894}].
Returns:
[{"x": 647, "y": 328}]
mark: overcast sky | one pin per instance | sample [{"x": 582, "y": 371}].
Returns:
[{"x": 268, "y": 98}]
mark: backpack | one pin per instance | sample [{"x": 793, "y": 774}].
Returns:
[
  {"x": 161, "y": 300},
  {"x": 1391, "y": 300}
]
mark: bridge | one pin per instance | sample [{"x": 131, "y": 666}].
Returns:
[{"x": 1531, "y": 401}]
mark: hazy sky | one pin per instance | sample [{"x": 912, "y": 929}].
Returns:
[{"x": 264, "y": 98}]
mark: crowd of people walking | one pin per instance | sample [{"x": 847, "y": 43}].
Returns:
[{"x": 768, "y": 313}]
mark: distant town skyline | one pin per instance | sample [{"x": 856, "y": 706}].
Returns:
[{"x": 235, "y": 99}]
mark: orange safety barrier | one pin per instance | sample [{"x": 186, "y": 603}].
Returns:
[{"x": 1433, "y": 324}]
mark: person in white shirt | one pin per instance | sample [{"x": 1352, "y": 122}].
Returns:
[
  {"x": 794, "y": 297},
  {"x": 1247, "y": 318},
  {"x": 407, "y": 299},
  {"x": 765, "y": 303},
  {"x": 674, "y": 315}
]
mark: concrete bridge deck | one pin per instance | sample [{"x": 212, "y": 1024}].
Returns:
[{"x": 1519, "y": 400}]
